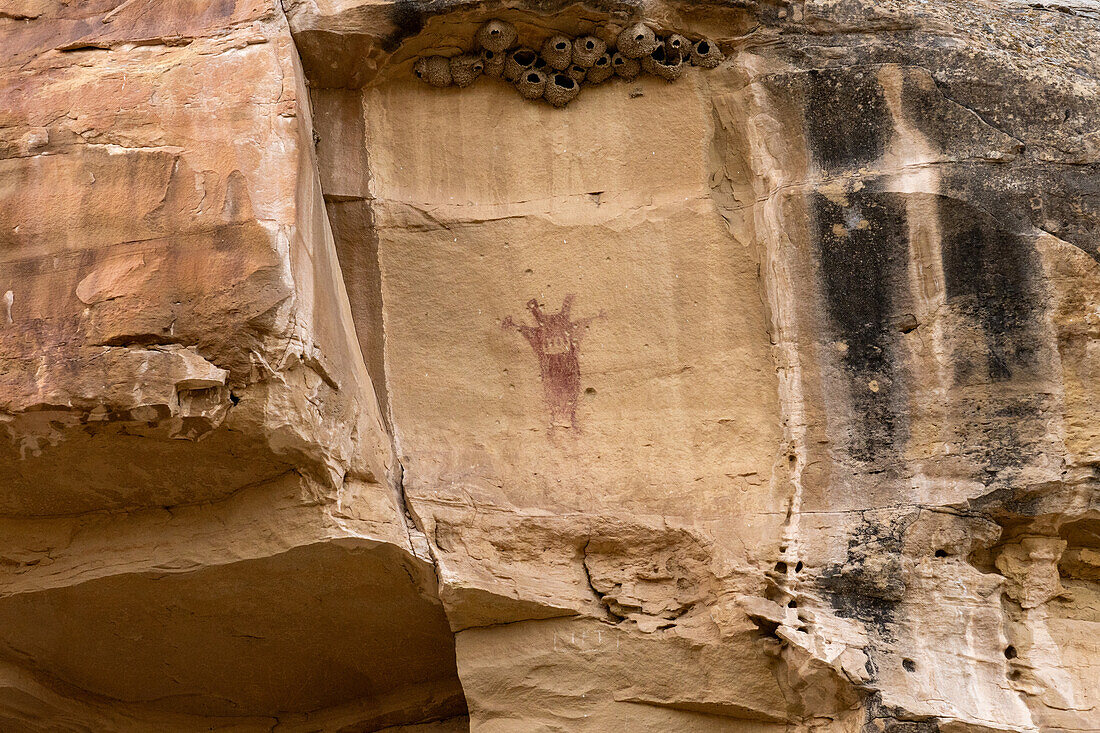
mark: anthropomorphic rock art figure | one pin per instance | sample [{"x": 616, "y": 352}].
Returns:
[{"x": 556, "y": 341}]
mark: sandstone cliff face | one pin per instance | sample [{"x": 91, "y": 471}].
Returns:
[{"x": 760, "y": 400}]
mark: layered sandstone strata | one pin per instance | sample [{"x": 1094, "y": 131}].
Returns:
[{"x": 764, "y": 400}]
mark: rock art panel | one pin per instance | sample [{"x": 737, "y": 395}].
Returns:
[{"x": 556, "y": 340}]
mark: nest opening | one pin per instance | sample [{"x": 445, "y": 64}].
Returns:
[
  {"x": 704, "y": 48},
  {"x": 563, "y": 81},
  {"x": 534, "y": 78},
  {"x": 525, "y": 58}
]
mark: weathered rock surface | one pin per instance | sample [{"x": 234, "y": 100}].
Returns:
[{"x": 765, "y": 399}]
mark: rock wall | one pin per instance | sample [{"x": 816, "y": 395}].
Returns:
[{"x": 763, "y": 399}]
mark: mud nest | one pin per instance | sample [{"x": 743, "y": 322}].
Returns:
[
  {"x": 496, "y": 36},
  {"x": 706, "y": 54},
  {"x": 562, "y": 66},
  {"x": 557, "y": 51},
  {"x": 601, "y": 70},
  {"x": 494, "y": 62},
  {"x": 561, "y": 89},
  {"x": 661, "y": 64},
  {"x": 519, "y": 61},
  {"x": 532, "y": 84},
  {"x": 465, "y": 69},
  {"x": 637, "y": 41},
  {"x": 434, "y": 70},
  {"x": 587, "y": 49},
  {"x": 626, "y": 68}
]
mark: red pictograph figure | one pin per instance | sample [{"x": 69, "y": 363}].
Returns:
[{"x": 556, "y": 341}]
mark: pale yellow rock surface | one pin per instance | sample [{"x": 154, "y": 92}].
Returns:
[{"x": 762, "y": 400}]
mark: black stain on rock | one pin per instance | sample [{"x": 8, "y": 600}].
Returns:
[
  {"x": 998, "y": 433},
  {"x": 882, "y": 718},
  {"x": 847, "y": 120},
  {"x": 995, "y": 299},
  {"x": 407, "y": 17},
  {"x": 1060, "y": 199},
  {"x": 957, "y": 132},
  {"x": 991, "y": 278},
  {"x": 1007, "y": 504},
  {"x": 870, "y": 583},
  {"x": 862, "y": 243}
]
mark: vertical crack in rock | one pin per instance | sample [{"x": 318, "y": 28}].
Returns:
[{"x": 599, "y": 595}]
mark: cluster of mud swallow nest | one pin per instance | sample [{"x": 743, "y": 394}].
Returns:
[{"x": 563, "y": 65}]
